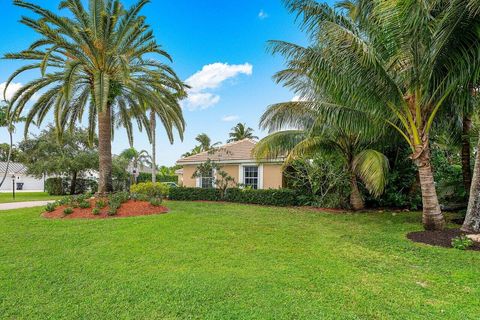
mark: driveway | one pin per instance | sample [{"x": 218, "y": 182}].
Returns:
[{"x": 20, "y": 205}]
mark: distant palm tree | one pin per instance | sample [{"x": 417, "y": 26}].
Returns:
[
  {"x": 96, "y": 60},
  {"x": 8, "y": 121},
  {"x": 138, "y": 159},
  {"x": 194, "y": 151},
  {"x": 240, "y": 132},
  {"x": 206, "y": 142}
]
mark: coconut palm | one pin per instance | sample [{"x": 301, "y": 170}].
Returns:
[
  {"x": 96, "y": 60},
  {"x": 240, "y": 132},
  {"x": 312, "y": 135},
  {"x": 399, "y": 61}
]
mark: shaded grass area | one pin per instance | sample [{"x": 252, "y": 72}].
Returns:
[
  {"x": 26, "y": 196},
  {"x": 227, "y": 261}
]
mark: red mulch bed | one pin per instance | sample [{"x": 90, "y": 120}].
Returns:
[
  {"x": 441, "y": 238},
  {"x": 130, "y": 208}
]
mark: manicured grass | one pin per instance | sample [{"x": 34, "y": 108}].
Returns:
[
  {"x": 225, "y": 261},
  {"x": 26, "y": 196}
]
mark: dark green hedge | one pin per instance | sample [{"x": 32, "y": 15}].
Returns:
[
  {"x": 269, "y": 197},
  {"x": 189, "y": 194},
  {"x": 147, "y": 177},
  {"x": 61, "y": 186}
]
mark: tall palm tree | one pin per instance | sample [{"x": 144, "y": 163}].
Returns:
[
  {"x": 240, "y": 132},
  {"x": 399, "y": 61},
  {"x": 96, "y": 60}
]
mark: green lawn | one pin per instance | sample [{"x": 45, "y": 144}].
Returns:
[
  {"x": 226, "y": 261},
  {"x": 26, "y": 196}
]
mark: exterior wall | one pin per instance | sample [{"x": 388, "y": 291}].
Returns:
[
  {"x": 272, "y": 176},
  {"x": 29, "y": 183},
  {"x": 188, "y": 171},
  {"x": 232, "y": 171}
]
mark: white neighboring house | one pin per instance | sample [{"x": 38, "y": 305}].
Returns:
[{"x": 30, "y": 183}]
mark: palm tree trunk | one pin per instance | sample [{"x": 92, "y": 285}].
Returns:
[
  {"x": 472, "y": 218},
  {"x": 105, "y": 184},
  {"x": 356, "y": 200},
  {"x": 73, "y": 183},
  {"x": 153, "y": 125},
  {"x": 8, "y": 157},
  {"x": 432, "y": 215},
  {"x": 466, "y": 166}
]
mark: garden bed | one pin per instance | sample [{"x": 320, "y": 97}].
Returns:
[
  {"x": 131, "y": 208},
  {"x": 442, "y": 238}
]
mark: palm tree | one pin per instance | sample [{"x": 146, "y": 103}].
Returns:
[
  {"x": 138, "y": 159},
  {"x": 397, "y": 61},
  {"x": 206, "y": 142},
  {"x": 96, "y": 60},
  {"x": 312, "y": 135},
  {"x": 240, "y": 132},
  {"x": 7, "y": 121}
]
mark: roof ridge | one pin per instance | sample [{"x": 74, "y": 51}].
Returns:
[{"x": 213, "y": 150}]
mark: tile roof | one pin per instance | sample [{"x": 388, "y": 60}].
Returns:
[
  {"x": 235, "y": 151},
  {"x": 14, "y": 167}
]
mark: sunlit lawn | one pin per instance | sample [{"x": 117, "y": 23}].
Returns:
[
  {"x": 226, "y": 261},
  {"x": 25, "y": 196}
]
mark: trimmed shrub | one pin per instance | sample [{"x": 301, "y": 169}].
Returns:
[
  {"x": 150, "y": 189},
  {"x": 189, "y": 194},
  {"x": 96, "y": 211},
  {"x": 68, "y": 210},
  {"x": 268, "y": 197},
  {"x": 51, "y": 206},
  {"x": 147, "y": 177},
  {"x": 156, "y": 202},
  {"x": 55, "y": 186}
]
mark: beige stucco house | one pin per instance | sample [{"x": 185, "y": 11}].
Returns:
[{"x": 236, "y": 159}]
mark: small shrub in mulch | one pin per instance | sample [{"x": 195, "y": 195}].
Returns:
[
  {"x": 441, "y": 238},
  {"x": 129, "y": 208}
]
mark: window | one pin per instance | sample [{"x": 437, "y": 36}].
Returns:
[
  {"x": 250, "y": 176},
  {"x": 206, "y": 181}
]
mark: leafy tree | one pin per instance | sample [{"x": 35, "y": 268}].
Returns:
[
  {"x": 73, "y": 155},
  {"x": 220, "y": 178},
  {"x": 4, "y": 151},
  {"x": 397, "y": 61},
  {"x": 97, "y": 60},
  {"x": 240, "y": 132}
]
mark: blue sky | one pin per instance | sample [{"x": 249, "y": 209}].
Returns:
[{"x": 218, "y": 46}]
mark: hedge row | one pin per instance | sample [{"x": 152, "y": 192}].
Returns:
[
  {"x": 146, "y": 177},
  {"x": 269, "y": 197},
  {"x": 61, "y": 186}
]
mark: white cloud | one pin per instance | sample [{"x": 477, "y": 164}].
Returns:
[
  {"x": 209, "y": 78},
  {"x": 230, "y": 118},
  {"x": 262, "y": 15},
  {"x": 12, "y": 89},
  {"x": 298, "y": 98}
]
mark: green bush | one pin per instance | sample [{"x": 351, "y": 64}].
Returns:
[
  {"x": 55, "y": 186},
  {"x": 270, "y": 197},
  {"x": 150, "y": 189},
  {"x": 68, "y": 210},
  {"x": 51, "y": 206},
  {"x": 189, "y": 194},
  {"x": 147, "y": 177},
  {"x": 156, "y": 202},
  {"x": 461, "y": 243},
  {"x": 112, "y": 211},
  {"x": 101, "y": 203},
  {"x": 84, "y": 204},
  {"x": 96, "y": 211}
]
